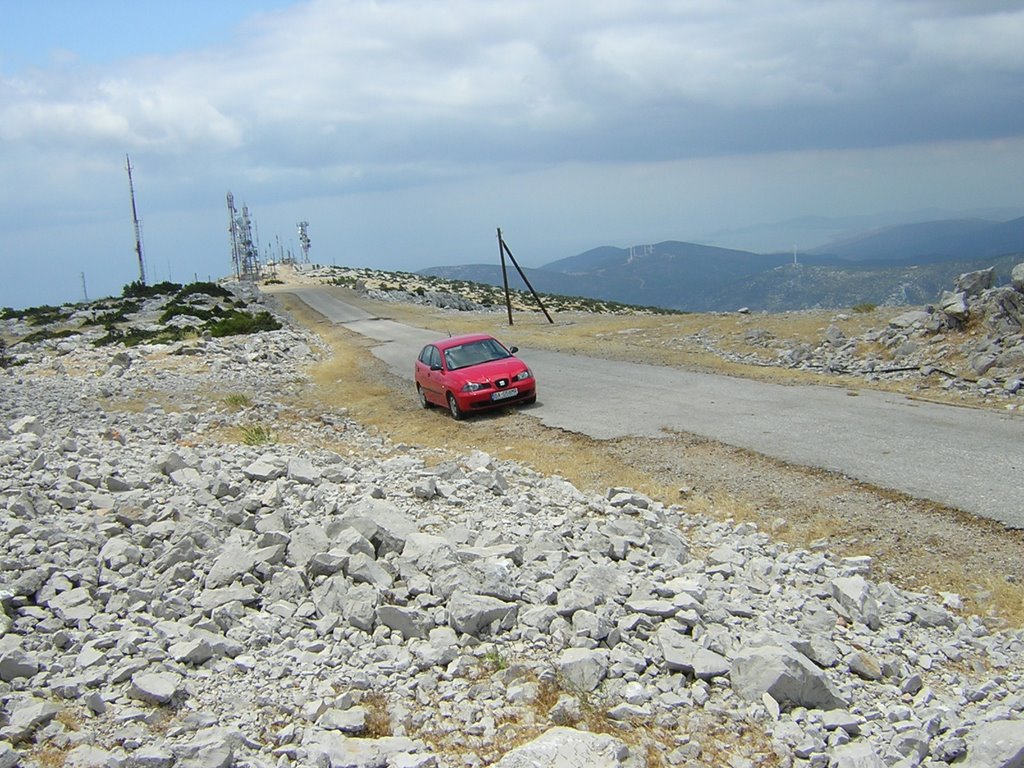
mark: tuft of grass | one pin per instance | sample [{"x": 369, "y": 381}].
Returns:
[
  {"x": 378, "y": 721},
  {"x": 238, "y": 400},
  {"x": 257, "y": 434},
  {"x": 495, "y": 660},
  {"x": 864, "y": 307}
]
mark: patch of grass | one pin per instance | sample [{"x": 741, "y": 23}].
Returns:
[
  {"x": 51, "y": 757},
  {"x": 238, "y": 400},
  {"x": 69, "y": 719},
  {"x": 864, "y": 307},
  {"x": 378, "y": 721},
  {"x": 495, "y": 660},
  {"x": 257, "y": 434}
]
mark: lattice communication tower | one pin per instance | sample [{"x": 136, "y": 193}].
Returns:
[
  {"x": 244, "y": 254},
  {"x": 304, "y": 240}
]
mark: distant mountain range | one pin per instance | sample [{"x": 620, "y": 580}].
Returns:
[{"x": 903, "y": 264}]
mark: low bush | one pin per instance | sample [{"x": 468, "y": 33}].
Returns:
[
  {"x": 206, "y": 288},
  {"x": 115, "y": 315},
  {"x": 44, "y": 334},
  {"x": 176, "y": 308},
  {"x": 238, "y": 323},
  {"x": 139, "y": 290}
]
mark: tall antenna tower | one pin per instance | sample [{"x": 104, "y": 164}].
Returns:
[
  {"x": 135, "y": 222},
  {"x": 304, "y": 240},
  {"x": 244, "y": 256}
]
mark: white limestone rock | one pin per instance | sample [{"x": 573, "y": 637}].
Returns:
[
  {"x": 472, "y": 614},
  {"x": 682, "y": 654},
  {"x": 582, "y": 669},
  {"x": 785, "y": 674},
  {"x": 155, "y": 687},
  {"x": 563, "y": 747}
]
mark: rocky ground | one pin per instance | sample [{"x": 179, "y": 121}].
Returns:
[{"x": 183, "y": 586}]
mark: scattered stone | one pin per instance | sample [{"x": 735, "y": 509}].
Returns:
[{"x": 276, "y": 602}]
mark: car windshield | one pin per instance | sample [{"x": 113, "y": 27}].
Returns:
[{"x": 474, "y": 353}]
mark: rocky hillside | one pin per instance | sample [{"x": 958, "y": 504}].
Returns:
[
  {"x": 972, "y": 338},
  {"x": 196, "y": 573}
]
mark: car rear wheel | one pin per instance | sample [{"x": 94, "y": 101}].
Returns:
[
  {"x": 424, "y": 403},
  {"x": 453, "y": 406}
]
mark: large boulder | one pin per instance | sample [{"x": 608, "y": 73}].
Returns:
[
  {"x": 999, "y": 744},
  {"x": 1002, "y": 308},
  {"x": 563, "y": 747},
  {"x": 785, "y": 674},
  {"x": 973, "y": 283},
  {"x": 1017, "y": 277}
]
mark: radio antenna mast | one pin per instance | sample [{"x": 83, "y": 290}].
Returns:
[
  {"x": 135, "y": 223},
  {"x": 304, "y": 240}
]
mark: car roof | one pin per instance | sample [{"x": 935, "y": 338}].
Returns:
[{"x": 465, "y": 338}]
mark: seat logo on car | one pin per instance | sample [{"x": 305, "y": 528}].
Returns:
[{"x": 502, "y": 382}]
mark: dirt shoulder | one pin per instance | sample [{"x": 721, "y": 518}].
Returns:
[{"x": 916, "y": 544}]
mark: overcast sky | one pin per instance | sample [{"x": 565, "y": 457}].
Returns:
[{"x": 406, "y": 131}]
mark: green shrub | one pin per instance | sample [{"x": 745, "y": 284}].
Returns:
[
  {"x": 175, "y": 308},
  {"x": 139, "y": 290},
  {"x": 207, "y": 288},
  {"x": 41, "y": 315},
  {"x": 45, "y": 335},
  {"x": 115, "y": 315},
  {"x": 238, "y": 323},
  {"x": 864, "y": 307}
]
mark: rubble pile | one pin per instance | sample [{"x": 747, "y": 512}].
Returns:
[
  {"x": 170, "y": 597},
  {"x": 973, "y": 338}
]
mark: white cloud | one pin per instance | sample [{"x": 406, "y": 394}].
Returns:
[{"x": 471, "y": 108}]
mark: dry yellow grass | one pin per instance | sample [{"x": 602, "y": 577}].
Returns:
[{"x": 352, "y": 378}]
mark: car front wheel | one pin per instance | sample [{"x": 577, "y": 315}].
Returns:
[
  {"x": 453, "y": 406},
  {"x": 424, "y": 403}
]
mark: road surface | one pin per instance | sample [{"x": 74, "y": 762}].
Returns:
[{"x": 966, "y": 458}]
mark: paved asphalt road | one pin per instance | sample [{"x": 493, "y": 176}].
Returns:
[{"x": 962, "y": 457}]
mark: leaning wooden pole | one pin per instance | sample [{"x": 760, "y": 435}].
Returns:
[
  {"x": 504, "y": 275},
  {"x": 525, "y": 280}
]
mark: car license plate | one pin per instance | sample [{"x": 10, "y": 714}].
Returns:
[{"x": 505, "y": 394}]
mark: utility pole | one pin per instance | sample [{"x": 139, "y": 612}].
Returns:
[
  {"x": 503, "y": 249},
  {"x": 135, "y": 223}
]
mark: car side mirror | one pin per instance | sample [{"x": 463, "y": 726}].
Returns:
[
  {"x": 513, "y": 350},
  {"x": 435, "y": 367}
]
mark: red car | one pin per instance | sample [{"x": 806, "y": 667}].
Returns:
[{"x": 472, "y": 373}]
